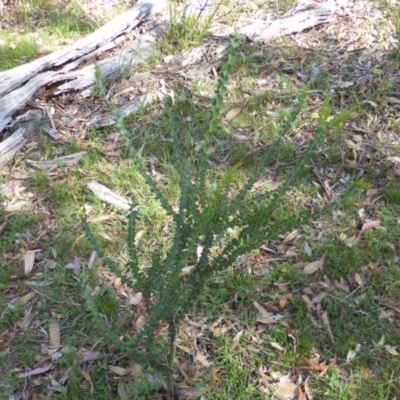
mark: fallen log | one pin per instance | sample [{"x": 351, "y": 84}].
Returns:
[
  {"x": 306, "y": 17},
  {"x": 72, "y": 68},
  {"x": 11, "y": 145},
  {"x": 20, "y": 85}
]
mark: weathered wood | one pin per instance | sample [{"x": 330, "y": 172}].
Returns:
[
  {"x": 64, "y": 161},
  {"x": 300, "y": 18},
  {"x": 34, "y": 122},
  {"x": 19, "y": 85},
  {"x": 25, "y": 127},
  {"x": 109, "y": 197},
  {"x": 306, "y": 17},
  {"x": 111, "y": 68},
  {"x": 199, "y": 61},
  {"x": 107, "y": 119},
  {"x": 11, "y": 145}
]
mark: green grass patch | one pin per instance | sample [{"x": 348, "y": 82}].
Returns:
[{"x": 16, "y": 50}]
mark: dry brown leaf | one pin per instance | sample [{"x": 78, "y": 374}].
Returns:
[
  {"x": 371, "y": 103},
  {"x": 394, "y": 159},
  {"x": 309, "y": 303},
  {"x": 314, "y": 266},
  {"x": 237, "y": 337},
  {"x": 370, "y": 225},
  {"x": 202, "y": 360},
  {"x": 117, "y": 283},
  {"x": 284, "y": 299},
  {"x": 290, "y": 254},
  {"x": 17, "y": 206},
  {"x": 352, "y": 146},
  {"x": 291, "y": 236},
  {"x": 307, "y": 390},
  {"x": 357, "y": 138},
  {"x": 276, "y": 345},
  {"x": 135, "y": 370},
  {"x": 199, "y": 357},
  {"x": 77, "y": 266},
  {"x": 136, "y": 299},
  {"x": 319, "y": 297},
  {"x": 232, "y": 114},
  {"x": 29, "y": 260},
  {"x": 91, "y": 260},
  {"x": 393, "y": 100},
  {"x": 121, "y": 391},
  {"x": 220, "y": 331},
  {"x": 54, "y": 332},
  {"x": 138, "y": 236},
  {"x": 90, "y": 356},
  {"x": 18, "y": 190},
  {"x": 89, "y": 379},
  {"x": 386, "y": 314},
  {"x": 391, "y": 350},
  {"x": 183, "y": 335},
  {"x": 367, "y": 372},
  {"x": 358, "y": 279},
  {"x": 273, "y": 319},
  {"x": 193, "y": 392},
  {"x": 307, "y": 249},
  {"x": 262, "y": 310},
  {"x": 344, "y": 84},
  {"x": 352, "y": 353},
  {"x": 350, "y": 163},
  {"x": 240, "y": 138},
  {"x": 36, "y": 371},
  {"x": 285, "y": 390},
  {"x": 266, "y": 320},
  {"x": 105, "y": 236},
  {"x": 118, "y": 370},
  {"x": 325, "y": 321},
  {"x": 306, "y": 290},
  {"x": 140, "y": 322},
  {"x": 26, "y": 321},
  {"x": 78, "y": 239},
  {"x": 353, "y": 116},
  {"x": 24, "y": 299},
  {"x": 214, "y": 375}
]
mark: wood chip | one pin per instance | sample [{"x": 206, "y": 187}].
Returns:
[{"x": 108, "y": 196}]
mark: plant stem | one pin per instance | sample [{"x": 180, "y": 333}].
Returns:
[{"x": 170, "y": 361}]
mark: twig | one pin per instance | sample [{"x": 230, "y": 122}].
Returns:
[
  {"x": 170, "y": 378},
  {"x": 327, "y": 190}
]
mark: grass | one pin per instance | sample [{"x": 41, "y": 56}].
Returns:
[
  {"x": 358, "y": 287},
  {"x": 38, "y": 27}
]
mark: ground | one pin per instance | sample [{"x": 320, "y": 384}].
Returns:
[{"x": 313, "y": 313}]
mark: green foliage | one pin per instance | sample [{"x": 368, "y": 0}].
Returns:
[
  {"x": 107, "y": 304},
  {"x": 40, "y": 179},
  {"x": 217, "y": 224},
  {"x": 13, "y": 54},
  {"x": 391, "y": 194},
  {"x": 185, "y": 29},
  {"x": 142, "y": 389}
]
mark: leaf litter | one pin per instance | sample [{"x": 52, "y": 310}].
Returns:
[{"x": 354, "y": 150}]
